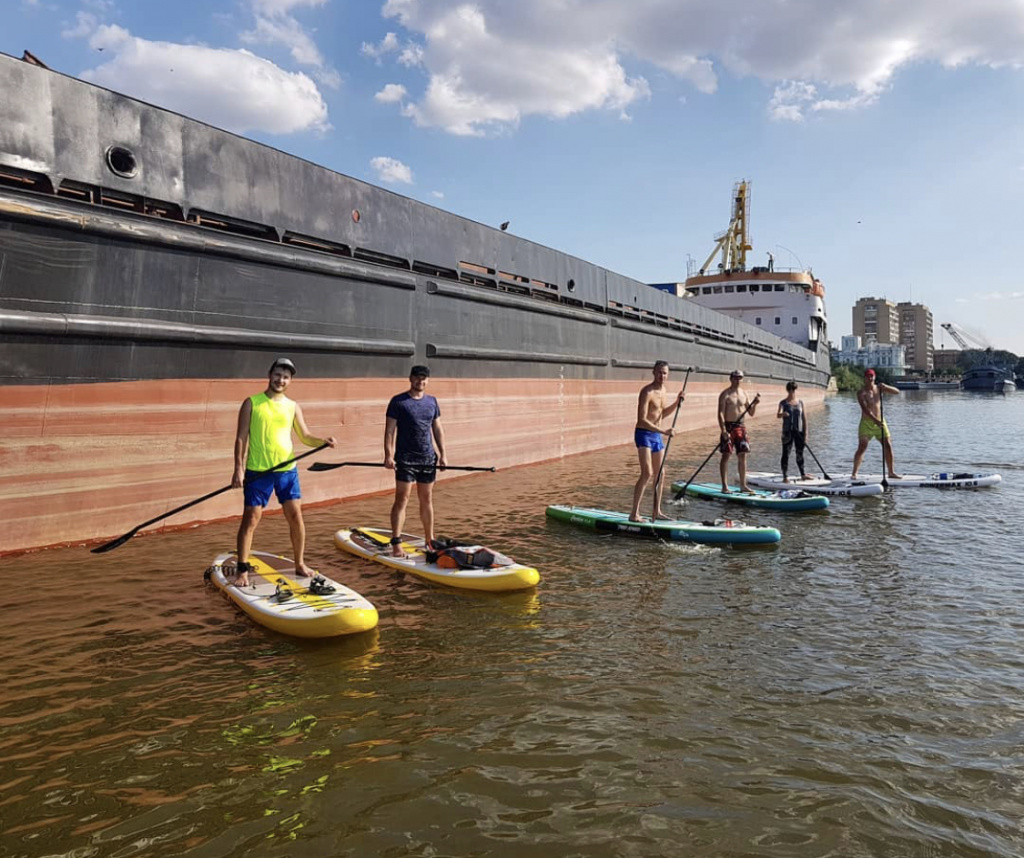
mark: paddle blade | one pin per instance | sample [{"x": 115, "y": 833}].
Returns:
[
  {"x": 114, "y": 543},
  {"x": 325, "y": 466}
]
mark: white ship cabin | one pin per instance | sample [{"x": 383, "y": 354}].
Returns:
[{"x": 789, "y": 304}]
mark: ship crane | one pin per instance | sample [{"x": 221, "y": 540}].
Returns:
[
  {"x": 963, "y": 338},
  {"x": 734, "y": 243}
]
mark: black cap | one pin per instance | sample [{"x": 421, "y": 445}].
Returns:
[
  {"x": 419, "y": 369},
  {"x": 284, "y": 363}
]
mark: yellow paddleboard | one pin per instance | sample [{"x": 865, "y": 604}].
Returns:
[
  {"x": 373, "y": 543},
  {"x": 302, "y": 607}
]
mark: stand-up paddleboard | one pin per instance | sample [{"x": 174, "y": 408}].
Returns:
[
  {"x": 941, "y": 480},
  {"x": 719, "y": 532},
  {"x": 302, "y": 607},
  {"x": 374, "y": 543},
  {"x": 789, "y": 501},
  {"x": 814, "y": 486}
]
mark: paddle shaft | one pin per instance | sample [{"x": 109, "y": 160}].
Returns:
[
  {"x": 668, "y": 443},
  {"x": 881, "y": 414},
  {"x": 121, "y": 540},
  {"x": 330, "y": 466},
  {"x": 682, "y": 491},
  {"x": 824, "y": 473}
]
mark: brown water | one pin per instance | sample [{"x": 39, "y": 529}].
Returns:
[{"x": 857, "y": 690}]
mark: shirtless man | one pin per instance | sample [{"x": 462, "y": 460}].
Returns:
[
  {"x": 733, "y": 405},
  {"x": 871, "y": 423},
  {"x": 649, "y": 437}
]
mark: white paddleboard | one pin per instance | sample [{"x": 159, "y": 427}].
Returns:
[
  {"x": 815, "y": 485},
  {"x": 280, "y": 600},
  {"x": 373, "y": 543},
  {"x": 940, "y": 480}
]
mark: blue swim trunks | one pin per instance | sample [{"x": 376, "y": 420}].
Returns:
[
  {"x": 258, "y": 488},
  {"x": 646, "y": 438}
]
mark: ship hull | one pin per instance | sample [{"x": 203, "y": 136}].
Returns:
[{"x": 136, "y": 312}]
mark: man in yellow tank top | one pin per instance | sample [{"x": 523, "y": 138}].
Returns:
[{"x": 264, "y": 438}]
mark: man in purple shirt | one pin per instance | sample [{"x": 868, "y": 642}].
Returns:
[{"x": 412, "y": 429}]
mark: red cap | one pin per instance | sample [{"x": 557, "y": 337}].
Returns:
[{"x": 869, "y": 373}]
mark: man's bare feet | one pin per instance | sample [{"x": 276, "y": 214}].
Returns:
[
  {"x": 660, "y": 516},
  {"x": 785, "y": 479},
  {"x": 726, "y": 490},
  {"x": 398, "y": 551},
  {"x": 895, "y": 476},
  {"x": 636, "y": 520},
  {"x": 303, "y": 571}
]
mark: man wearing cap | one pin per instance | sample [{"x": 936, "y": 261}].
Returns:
[
  {"x": 263, "y": 439},
  {"x": 412, "y": 429},
  {"x": 871, "y": 423},
  {"x": 733, "y": 406}
]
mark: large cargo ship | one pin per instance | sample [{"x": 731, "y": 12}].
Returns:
[{"x": 152, "y": 266}]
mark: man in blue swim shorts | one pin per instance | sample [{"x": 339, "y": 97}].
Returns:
[
  {"x": 653, "y": 406},
  {"x": 262, "y": 441}
]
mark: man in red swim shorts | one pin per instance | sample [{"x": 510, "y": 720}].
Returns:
[{"x": 733, "y": 406}]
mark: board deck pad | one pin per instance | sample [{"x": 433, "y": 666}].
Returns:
[
  {"x": 373, "y": 543},
  {"x": 281, "y": 600},
  {"x": 718, "y": 532}
]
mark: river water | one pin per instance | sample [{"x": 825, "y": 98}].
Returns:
[{"x": 857, "y": 690}]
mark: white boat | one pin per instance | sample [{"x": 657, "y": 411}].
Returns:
[
  {"x": 789, "y": 303},
  {"x": 1006, "y": 386}
]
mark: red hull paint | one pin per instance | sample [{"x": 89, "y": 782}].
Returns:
[{"x": 88, "y": 462}]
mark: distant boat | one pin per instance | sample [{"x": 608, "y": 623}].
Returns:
[
  {"x": 989, "y": 378},
  {"x": 927, "y": 385}
]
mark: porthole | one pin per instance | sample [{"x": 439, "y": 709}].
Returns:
[
  {"x": 122, "y": 162},
  {"x": 571, "y": 285}
]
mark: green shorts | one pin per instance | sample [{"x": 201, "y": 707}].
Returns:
[{"x": 870, "y": 429}]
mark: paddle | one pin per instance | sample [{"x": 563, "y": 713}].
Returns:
[
  {"x": 824, "y": 473},
  {"x": 330, "y": 466},
  {"x": 881, "y": 414},
  {"x": 668, "y": 443},
  {"x": 682, "y": 491},
  {"x": 121, "y": 540}
]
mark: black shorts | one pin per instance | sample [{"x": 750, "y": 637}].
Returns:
[{"x": 412, "y": 473}]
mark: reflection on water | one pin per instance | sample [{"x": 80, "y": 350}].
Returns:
[{"x": 853, "y": 691}]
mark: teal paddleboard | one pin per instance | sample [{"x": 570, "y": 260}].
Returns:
[
  {"x": 718, "y": 532},
  {"x": 788, "y": 501}
]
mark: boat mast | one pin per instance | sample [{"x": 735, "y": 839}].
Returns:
[{"x": 734, "y": 243}]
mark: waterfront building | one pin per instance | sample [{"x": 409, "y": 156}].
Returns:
[
  {"x": 876, "y": 320},
  {"x": 888, "y": 356},
  {"x": 915, "y": 334}
]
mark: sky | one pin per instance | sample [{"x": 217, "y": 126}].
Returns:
[{"x": 884, "y": 140}]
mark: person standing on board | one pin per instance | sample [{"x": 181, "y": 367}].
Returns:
[
  {"x": 733, "y": 406},
  {"x": 771, "y": 261},
  {"x": 871, "y": 423},
  {"x": 411, "y": 431},
  {"x": 649, "y": 437},
  {"x": 263, "y": 439},
  {"x": 794, "y": 430}
]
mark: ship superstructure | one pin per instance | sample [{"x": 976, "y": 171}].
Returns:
[{"x": 787, "y": 303}]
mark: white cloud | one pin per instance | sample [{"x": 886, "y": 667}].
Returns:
[
  {"x": 391, "y": 170},
  {"x": 391, "y": 93},
  {"x": 489, "y": 63},
  {"x": 232, "y": 89},
  {"x": 387, "y": 45},
  {"x": 276, "y": 25},
  {"x": 85, "y": 25},
  {"x": 437, "y": 194}
]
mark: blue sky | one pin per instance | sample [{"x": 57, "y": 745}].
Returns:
[{"x": 884, "y": 140}]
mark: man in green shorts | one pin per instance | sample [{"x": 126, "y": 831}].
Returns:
[
  {"x": 263, "y": 439},
  {"x": 871, "y": 423}
]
